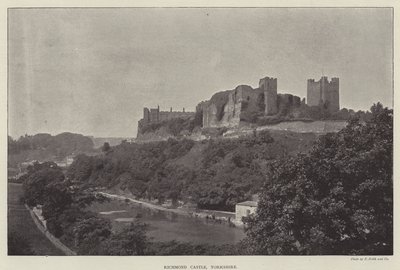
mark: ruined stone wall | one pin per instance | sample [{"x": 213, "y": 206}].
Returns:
[
  {"x": 223, "y": 109},
  {"x": 146, "y": 115},
  {"x": 269, "y": 86},
  {"x": 229, "y": 108},
  {"x": 333, "y": 95},
  {"x": 165, "y": 115},
  {"x": 313, "y": 93},
  {"x": 248, "y": 98},
  {"x": 154, "y": 115},
  {"x": 324, "y": 92},
  {"x": 288, "y": 100}
]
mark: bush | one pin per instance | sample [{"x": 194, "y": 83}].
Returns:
[{"x": 337, "y": 199}]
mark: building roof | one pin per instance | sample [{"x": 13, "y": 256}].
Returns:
[{"x": 249, "y": 203}]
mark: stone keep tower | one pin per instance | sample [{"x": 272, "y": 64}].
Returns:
[
  {"x": 269, "y": 86},
  {"x": 324, "y": 92}
]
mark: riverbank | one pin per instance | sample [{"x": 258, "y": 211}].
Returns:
[
  {"x": 165, "y": 225},
  {"x": 217, "y": 216}
]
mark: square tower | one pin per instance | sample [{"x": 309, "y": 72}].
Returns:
[
  {"x": 269, "y": 87},
  {"x": 324, "y": 93}
]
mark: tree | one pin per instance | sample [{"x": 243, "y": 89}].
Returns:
[
  {"x": 106, "y": 147},
  {"x": 90, "y": 233},
  {"x": 38, "y": 177},
  {"x": 338, "y": 199},
  {"x": 132, "y": 240}
]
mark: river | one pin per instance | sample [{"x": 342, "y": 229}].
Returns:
[{"x": 168, "y": 226}]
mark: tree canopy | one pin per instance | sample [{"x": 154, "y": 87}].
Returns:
[{"x": 336, "y": 199}]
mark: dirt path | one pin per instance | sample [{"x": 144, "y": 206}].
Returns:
[
  {"x": 218, "y": 215},
  {"x": 146, "y": 204}
]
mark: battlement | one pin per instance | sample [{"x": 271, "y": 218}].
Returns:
[
  {"x": 268, "y": 83},
  {"x": 154, "y": 115},
  {"x": 270, "y": 86},
  {"x": 323, "y": 92}
]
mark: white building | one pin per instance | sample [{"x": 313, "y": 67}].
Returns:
[{"x": 245, "y": 209}]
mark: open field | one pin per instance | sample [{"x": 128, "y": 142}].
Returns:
[{"x": 20, "y": 222}]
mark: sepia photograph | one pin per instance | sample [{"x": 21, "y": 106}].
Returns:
[{"x": 200, "y": 131}]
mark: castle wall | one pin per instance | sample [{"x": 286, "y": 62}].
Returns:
[
  {"x": 248, "y": 98},
  {"x": 333, "y": 90},
  {"x": 324, "y": 92},
  {"x": 269, "y": 85},
  {"x": 146, "y": 115},
  {"x": 313, "y": 93},
  {"x": 229, "y": 108},
  {"x": 154, "y": 115},
  {"x": 240, "y": 102},
  {"x": 288, "y": 100},
  {"x": 231, "y": 112},
  {"x": 165, "y": 115},
  {"x": 209, "y": 114},
  {"x": 324, "y": 89}
]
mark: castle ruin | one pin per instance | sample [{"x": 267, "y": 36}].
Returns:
[
  {"x": 229, "y": 108},
  {"x": 154, "y": 115},
  {"x": 269, "y": 87},
  {"x": 244, "y": 104},
  {"x": 324, "y": 93}
]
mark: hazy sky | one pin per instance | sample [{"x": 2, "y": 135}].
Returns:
[{"x": 92, "y": 71}]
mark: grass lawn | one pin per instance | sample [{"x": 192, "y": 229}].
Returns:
[{"x": 21, "y": 224}]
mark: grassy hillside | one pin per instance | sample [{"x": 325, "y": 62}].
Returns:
[{"x": 214, "y": 174}]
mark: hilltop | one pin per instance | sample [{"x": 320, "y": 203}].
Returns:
[{"x": 243, "y": 108}]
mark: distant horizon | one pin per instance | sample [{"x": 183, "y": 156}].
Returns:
[
  {"x": 132, "y": 137},
  {"x": 91, "y": 71},
  {"x": 90, "y": 136}
]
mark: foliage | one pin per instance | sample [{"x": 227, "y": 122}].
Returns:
[
  {"x": 106, "y": 147},
  {"x": 228, "y": 171},
  {"x": 132, "y": 240},
  {"x": 174, "y": 126},
  {"x": 62, "y": 144},
  {"x": 39, "y": 176},
  {"x": 46, "y": 147},
  {"x": 63, "y": 205},
  {"x": 337, "y": 199},
  {"x": 90, "y": 233},
  {"x": 185, "y": 248}
]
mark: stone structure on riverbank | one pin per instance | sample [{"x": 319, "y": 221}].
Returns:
[{"x": 244, "y": 209}]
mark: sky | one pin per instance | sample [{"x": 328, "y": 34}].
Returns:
[{"x": 91, "y": 71}]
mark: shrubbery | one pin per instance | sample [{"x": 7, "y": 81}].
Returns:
[
  {"x": 230, "y": 170},
  {"x": 337, "y": 199}
]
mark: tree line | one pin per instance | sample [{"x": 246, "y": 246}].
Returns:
[
  {"x": 227, "y": 171},
  {"x": 335, "y": 199}
]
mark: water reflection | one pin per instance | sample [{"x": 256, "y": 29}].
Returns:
[{"x": 168, "y": 226}]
